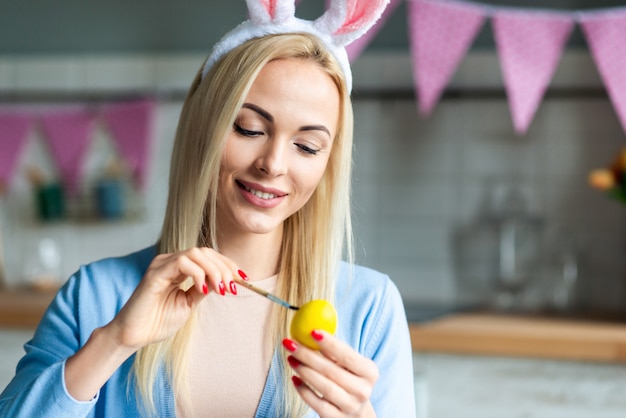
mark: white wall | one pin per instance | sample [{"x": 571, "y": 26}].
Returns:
[
  {"x": 420, "y": 180},
  {"x": 416, "y": 179}
]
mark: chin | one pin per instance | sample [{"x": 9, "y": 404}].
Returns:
[{"x": 260, "y": 227}]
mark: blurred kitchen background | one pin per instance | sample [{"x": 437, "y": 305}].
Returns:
[
  {"x": 431, "y": 193},
  {"x": 459, "y": 209}
]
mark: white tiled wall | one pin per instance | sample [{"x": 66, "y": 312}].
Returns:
[{"x": 416, "y": 179}]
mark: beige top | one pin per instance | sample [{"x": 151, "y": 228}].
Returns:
[{"x": 229, "y": 360}]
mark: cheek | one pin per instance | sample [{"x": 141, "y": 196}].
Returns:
[
  {"x": 309, "y": 179},
  {"x": 234, "y": 156}
]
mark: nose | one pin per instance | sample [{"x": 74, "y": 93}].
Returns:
[{"x": 273, "y": 159}]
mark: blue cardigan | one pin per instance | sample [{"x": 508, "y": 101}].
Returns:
[{"x": 371, "y": 319}]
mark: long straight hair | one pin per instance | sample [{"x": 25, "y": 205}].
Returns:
[{"x": 315, "y": 238}]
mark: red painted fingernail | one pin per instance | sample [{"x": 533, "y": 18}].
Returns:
[
  {"x": 317, "y": 336},
  {"x": 293, "y": 362},
  {"x": 289, "y": 345},
  {"x": 205, "y": 289},
  {"x": 233, "y": 288},
  {"x": 242, "y": 274},
  {"x": 296, "y": 381},
  {"x": 222, "y": 288}
]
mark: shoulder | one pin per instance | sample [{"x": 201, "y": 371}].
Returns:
[
  {"x": 118, "y": 272},
  {"x": 102, "y": 287},
  {"x": 368, "y": 304},
  {"x": 362, "y": 284},
  {"x": 90, "y": 298}
]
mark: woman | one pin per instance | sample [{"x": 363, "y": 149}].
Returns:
[{"x": 259, "y": 188}]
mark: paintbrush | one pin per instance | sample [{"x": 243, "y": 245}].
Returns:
[{"x": 267, "y": 294}]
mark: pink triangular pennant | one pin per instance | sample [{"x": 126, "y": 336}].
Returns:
[
  {"x": 530, "y": 45},
  {"x": 131, "y": 128},
  {"x": 68, "y": 134},
  {"x": 605, "y": 33},
  {"x": 14, "y": 129},
  {"x": 356, "y": 47},
  {"x": 441, "y": 33}
]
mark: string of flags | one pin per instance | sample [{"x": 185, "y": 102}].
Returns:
[
  {"x": 68, "y": 131},
  {"x": 529, "y": 44}
]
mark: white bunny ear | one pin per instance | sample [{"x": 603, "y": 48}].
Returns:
[
  {"x": 347, "y": 20},
  {"x": 342, "y": 23},
  {"x": 263, "y": 12}
]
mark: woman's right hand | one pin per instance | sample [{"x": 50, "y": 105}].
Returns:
[
  {"x": 159, "y": 307},
  {"x": 155, "y": 311}
]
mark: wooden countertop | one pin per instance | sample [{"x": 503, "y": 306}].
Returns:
[
  {"x": 460, "y": 333},
  {"x": 520, "y": 336},
  {"x": 22, "y": 308}
]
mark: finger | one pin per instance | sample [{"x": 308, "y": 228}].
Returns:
[
  {"x": 325, "y": 378},
  {"x": 219, "y": 269},
  {"x": 331, "y": 388},
  {"x": 314, "y": 400},
  {"x": 174, "y": 271},
  {"x": 345, "y": 356},
  {"x": 194, "y": 297},
  {"x": 228, "y": 269},
  {"x": 328, "y": 375},
  {"x": 231, "y": 270}
]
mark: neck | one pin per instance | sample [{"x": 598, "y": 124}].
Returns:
[{"x": 258, "y": 255}]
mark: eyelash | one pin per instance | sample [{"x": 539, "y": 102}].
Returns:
[
  {"x": 246, "y": 132},
  {"x": 307, "y": 150},
  {"x": 252, "y": 134}
]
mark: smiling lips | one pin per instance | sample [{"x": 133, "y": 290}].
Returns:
[
  {"x": 261, "y": 194},
  {"x": 266, "y": 194}
]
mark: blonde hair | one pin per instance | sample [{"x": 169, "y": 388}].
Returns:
[{"x": 315, "y": 238}]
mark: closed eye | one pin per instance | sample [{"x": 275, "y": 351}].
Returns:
[
  {"x": 246, "y": 132},
  {"x": 307, "y": 150}
]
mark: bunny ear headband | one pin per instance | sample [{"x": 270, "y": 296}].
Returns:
[{"x": 342, "y": 23}]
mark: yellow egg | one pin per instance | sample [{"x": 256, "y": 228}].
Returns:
[{"x": 314, "y": 315}]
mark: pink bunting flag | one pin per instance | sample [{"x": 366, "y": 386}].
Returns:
[
  {"x": 68, "y": 134},
  {"x": 530, "y": 45},
  {"x": 14, "y": 129},
  {"x": 131, "y": 128},
  {"x": 605, "y": 33},
  {"x": 440, "y": 33},
  {"x": 356, "y": 47}
]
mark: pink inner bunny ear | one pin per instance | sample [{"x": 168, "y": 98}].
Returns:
[
  {"x": 359, "y": 14},
  {"x": 270, "y": 7},
  {"x": 270, "y": 11}
]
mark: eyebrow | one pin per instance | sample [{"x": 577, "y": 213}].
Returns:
[
  {"x": 266, "y": 115},
  {"x": 315, "y": 128}
]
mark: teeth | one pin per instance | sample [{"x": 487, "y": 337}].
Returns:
[{"x": 260, "y": 194}]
